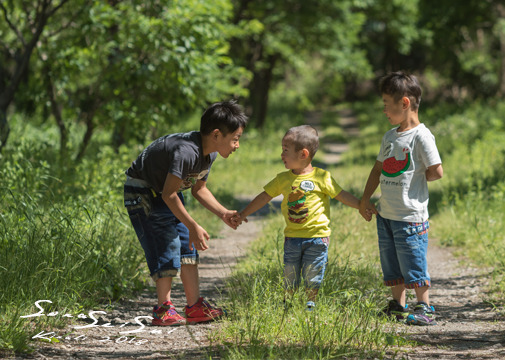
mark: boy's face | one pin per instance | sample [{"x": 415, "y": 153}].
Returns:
[
  {"x": 290, "y": 157},
  {"x": 394, "y": 110},
  {"x": 229, "y": 143}
]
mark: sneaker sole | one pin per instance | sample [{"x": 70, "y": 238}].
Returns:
[
  {"x": 166, "y": 323},
  {"x": 192, "y": 321},
  {"x": 411, "y": 320}
]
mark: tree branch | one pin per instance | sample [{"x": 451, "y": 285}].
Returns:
[{"x": 11, "y": 25}]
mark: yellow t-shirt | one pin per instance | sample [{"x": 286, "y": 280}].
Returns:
[{"x": 306, "y": 202}]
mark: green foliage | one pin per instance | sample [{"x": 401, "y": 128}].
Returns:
[
  {"x": 66, "y": 239},
  {"x": 474, "y": 192},
  {"x": 129, "y": 66},
  {"x": 468, "y": 54}
]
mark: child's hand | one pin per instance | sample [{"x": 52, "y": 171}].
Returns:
[
  {"x": 237, "y": 219},
  {"x": 233, "y": 219},
  {"x": 367, "y": 210}
]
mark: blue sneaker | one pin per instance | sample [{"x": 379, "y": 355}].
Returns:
[
  {"x": 395, "y": 311},
  {"x": 310, "y": 306},
  {"x": 423, "y": 315}
]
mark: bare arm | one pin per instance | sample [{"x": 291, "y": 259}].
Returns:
[
  {"x": 348, "y": 199},
  {"x": 258, "y": 202},
  {"x": 434, "y": 172},
  {"x": 370, "y": 187},
  {"x": 197, "y": 235},
  {"x": 205, "y": 197}
]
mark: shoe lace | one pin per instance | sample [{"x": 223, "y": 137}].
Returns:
[{"x": 206, "y": 304}]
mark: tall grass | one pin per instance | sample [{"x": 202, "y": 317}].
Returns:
[{"x": 64, "y": 237}]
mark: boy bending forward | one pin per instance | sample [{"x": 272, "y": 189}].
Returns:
[{"x": 153, "y": 197}]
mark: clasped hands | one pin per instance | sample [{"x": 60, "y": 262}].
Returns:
[
  {"x": 367, "y": 210},
  {"x": 233, "y": 219}
]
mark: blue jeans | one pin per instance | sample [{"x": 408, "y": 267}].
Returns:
[
  {"x": 403, "y": 248},
  {"x": 305, "y": 258},
  {"x": 163, "y": 237}
]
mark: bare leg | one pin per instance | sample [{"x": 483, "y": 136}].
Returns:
[
  {"x": 422, "y": 294},
  {"x": 163, "y": 289},
  {"x": 399, "y": 294},
  {"x": 191, "y": 283}
]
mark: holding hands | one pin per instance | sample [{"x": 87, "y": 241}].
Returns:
[
  {"x": 238, "y": 219},
  {"x": 367, "y": 209},
  {"x": 233, "y": 219}
]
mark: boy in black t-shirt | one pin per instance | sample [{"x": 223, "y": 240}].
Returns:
[{"x": 169, "y": 236}]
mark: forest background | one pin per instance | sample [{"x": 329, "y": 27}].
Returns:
[{"x": 85, "y": 85}]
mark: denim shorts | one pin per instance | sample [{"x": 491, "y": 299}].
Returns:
[
  {"x": 305, "y": 259},
  {"x": 403, "y": 248},
  {"x": 163, "y": 237}
]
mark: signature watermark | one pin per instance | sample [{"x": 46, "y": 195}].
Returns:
[{"x": 125, "y": 336}]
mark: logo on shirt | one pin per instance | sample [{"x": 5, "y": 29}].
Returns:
[
  {"x": 191, "y": 179},
  {"x": 391, "y": 167},
  {"x": 307, "y": 185}
]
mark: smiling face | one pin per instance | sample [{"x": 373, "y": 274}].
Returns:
[
  {"x": 229, "y": 143},
  {"x": 291, "y": 158},
  {"x": 393, "y": 109}
]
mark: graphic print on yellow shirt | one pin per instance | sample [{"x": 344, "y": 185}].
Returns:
[
  {"x": 306, "y": 201},
  {"x": 297, "y": 211}
]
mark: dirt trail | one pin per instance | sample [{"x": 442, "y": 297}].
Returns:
[{"x": 468, "y": 327}]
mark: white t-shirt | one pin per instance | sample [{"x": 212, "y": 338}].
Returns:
[{"x": 405, "y": 156}]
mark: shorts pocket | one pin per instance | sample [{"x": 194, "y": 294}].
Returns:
[{"x": 138, "y": 201}]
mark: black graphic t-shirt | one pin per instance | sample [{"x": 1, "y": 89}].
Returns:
[{"x": 178, "y": 154}]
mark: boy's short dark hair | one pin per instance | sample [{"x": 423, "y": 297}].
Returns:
[
  {"x": 303, "y": 137},
  {"x": 227, "y": 116},
  {"x": 399, "y": 84}
]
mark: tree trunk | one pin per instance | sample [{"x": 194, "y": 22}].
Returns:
[
  {"x": 90, "y": 128},
  {"x": 259, "y": 91},
  {"x": 4, "y": 128},
  {"x": 501, "y": 36},
  {"x": 21, "y": 67},
  {"x": 56, "y": 111}
]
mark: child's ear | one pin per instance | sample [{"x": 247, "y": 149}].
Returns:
[
  {"x": 405, "y": 103},
  {"x": 305, "y": 153},
  {"x": 215, "y": 133}
]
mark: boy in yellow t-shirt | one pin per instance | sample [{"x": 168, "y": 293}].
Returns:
[{"x": 306, "y": 194}]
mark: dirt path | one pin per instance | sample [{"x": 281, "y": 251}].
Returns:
[{"x": 468, "y": 327}]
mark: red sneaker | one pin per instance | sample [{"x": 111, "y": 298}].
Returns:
[
  {"x": 202, "y": 311},
  {"x": 166, "y": 315}
]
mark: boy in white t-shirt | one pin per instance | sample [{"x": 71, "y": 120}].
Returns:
[{"x": 408, "y": 158}]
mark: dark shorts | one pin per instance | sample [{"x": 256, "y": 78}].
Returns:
[{"x": 163, "y": 237}]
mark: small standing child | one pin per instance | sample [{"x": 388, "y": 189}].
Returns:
[
  {"x": 306, "y": 194},
  {"x": 408, "y": 158},
  {"x": 153, "y": 197}
]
